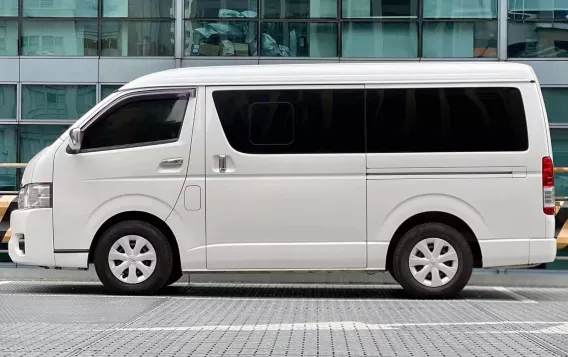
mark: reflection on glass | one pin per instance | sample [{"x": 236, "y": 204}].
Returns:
[
  {"x": 137, "y": 38},
  {"x": 59, "y": 38},
  {"x": 299, "y": 9},
  {"x": 107, "y": 89},
  {"x": 60, "y": 8},
  {"x": 460, "y": 39},
  {"x": 560, "y": 153},
  {"x": 8, "y": 38},
  {"x": 537, "y": 39},
  {"x": 353, "y": 9},
  {"x": 8, "y": 101},
  {"x": 538, "y": 9},
  {"x": 220, "y": 38},
  {"x": 57, "y": 101},
  {"x": 220, "y": 8},
  {"x": 456, "y": 9},
  {"x": 288, "y": 39},
  {"x": 33, "y": 138},
  {"x": 380, "y": 39},
  {"x": 8, "y": 154},
  {"x": 9, "y": 8},
  {"x": 556, "y": 101},
  {"x": 138, "y": 8}
]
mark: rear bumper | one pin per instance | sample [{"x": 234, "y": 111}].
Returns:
[
  {"x": 32, "y": 237},
  {"x": 515, "y": 252}
]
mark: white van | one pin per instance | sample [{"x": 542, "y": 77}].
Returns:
[{"x": 426, "y": 170}]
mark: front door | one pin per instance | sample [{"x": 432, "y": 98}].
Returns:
[
  {"x": 134, "y": 158},
  {"x": 285, "y": 178}
]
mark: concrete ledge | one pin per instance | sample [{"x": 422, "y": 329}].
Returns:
[{"x": 511, "y": 277}]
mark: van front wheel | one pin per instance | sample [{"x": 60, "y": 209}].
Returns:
[
  {"x": 433, "y": 260},
  {"x": 133, "y": 257}
]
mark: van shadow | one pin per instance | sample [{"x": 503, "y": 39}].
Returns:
[{"x": 255, "y": 291}]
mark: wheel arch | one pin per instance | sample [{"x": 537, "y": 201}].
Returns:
[
  {"x": 436, "y": 217},
  {"x": 141, "y": 216}
]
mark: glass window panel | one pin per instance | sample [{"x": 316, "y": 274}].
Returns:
[
  {"x": 537, "y": 39},
  {"x": 8, "y": 38},
  {"x": 60, "y": 8},
  {"x": 353, "y": 9},
  {"x": 220, "y": 38},
  {"x": 8, "y": 154},
  {"x": 538, "y": 9},
  {"x": 220, "y": 8},
  {"x": 8, "y": 101},
  {"x": 8, "y": 7},
  {"x": 137, "y": 38},
  {"x": 139, "y": 8},
  {"x": 59, "y": 38},
  {"x": 289, "y": 39},
  {"x": 560, "y": 154},
  {"x": 33, "y": 138},
  {"x": 57, "y": 101},
  {"x": 460, "y": 39},
  {"x": 380, "y": 39},
  {"x": 302, "y": 9},
  {"x": 459, "y": 9},
  {"x": 293, "y": 121},
  {"x": 108, "y": 89},
  {"x": 140, "y": 122},
  {"x": 445, "y": 120},
  {"x": 556, "y": 101}
]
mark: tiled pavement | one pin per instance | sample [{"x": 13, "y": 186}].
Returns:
[{"x": 78, "y": 319}]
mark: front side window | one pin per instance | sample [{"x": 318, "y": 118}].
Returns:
[
  {"x": 138, "y": 121},
  {"x": 445, "y": 120},
  {"x": 293, "y": 121}
]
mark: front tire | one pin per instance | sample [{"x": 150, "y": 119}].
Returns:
[
  {"x": 133, "y": 257},
  {"x": 433, "y": 260}
]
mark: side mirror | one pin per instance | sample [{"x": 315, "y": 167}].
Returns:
[{"x": 75, "y": 139}]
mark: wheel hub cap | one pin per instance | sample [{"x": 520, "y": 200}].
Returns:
[
  {"x": 433, "y": 262},
  {"x": 132, "y": 259}
]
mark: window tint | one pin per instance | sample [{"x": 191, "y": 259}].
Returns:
[
  {"x": 292, "y": 121},
  {"x": 445, "y": 120},
  {"x": 137, "y": 122}
]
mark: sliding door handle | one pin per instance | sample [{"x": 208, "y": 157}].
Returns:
[{"x": 178, "y": 161}]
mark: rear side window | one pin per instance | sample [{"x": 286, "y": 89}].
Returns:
[
  {"x": 445, "y": 120},
  {"x": 293, "y": 121},
  {"x": 139, "y": 121}
]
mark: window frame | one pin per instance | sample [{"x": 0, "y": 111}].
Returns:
[{"x": 135, "y": 96}]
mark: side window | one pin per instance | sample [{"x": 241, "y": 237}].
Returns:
[
  {"x": 293, "y": 121},
  {"x": 145, "y": 120},
  {"x": 445, "y": 120}
]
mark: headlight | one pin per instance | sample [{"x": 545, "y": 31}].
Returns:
[{"x": 35, "y": 195}]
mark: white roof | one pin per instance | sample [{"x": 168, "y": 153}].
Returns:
[{"x": 338, "y": 73}]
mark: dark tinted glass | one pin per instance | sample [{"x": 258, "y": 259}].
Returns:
[
  {"x": 445, "y": 120},
  {"x": 293, "y": 121},
  {"x": 137, "y": 122}
]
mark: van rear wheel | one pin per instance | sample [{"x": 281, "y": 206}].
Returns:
[
  {"x": 133, "y": 257},
  {"x": 433, "y": 260}
]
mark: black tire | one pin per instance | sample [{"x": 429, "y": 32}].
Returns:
[
  {"x": 174, "y": 277},
  {"x": 391, "y": 271},
  {"x": 432, "y": 230},
  {"x": 164, "y": 258}
]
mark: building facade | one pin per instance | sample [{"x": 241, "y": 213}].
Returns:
[{"x": 58, "y": 58}]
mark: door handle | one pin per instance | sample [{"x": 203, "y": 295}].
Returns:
[
  {"x": 178, "y": 161},
  {"x": 222, "y": 163}
]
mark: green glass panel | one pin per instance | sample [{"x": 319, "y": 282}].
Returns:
[
  {"x": 8, "y": 154},
  {"x": 59, "y": 38},
  {"x": 137, "y": 38},
  {"x": 380, "y": 39},
  {"x": 460, "y": 9},
  {"x": 33, "y": 138},
  {"x": 460, "y": 39},
  {"x": 560, "y": 154},
  {"x": 8, "y": 101},
  {"x": 8, "y": 38},
  {"x": 556, "y": 101},
  {"x": 67, "y": 102},
  {"x": 107, "y": 89},
  {"x": 58, "y": 8}
]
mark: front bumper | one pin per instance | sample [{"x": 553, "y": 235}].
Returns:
[{"x": 32, "y": 237}]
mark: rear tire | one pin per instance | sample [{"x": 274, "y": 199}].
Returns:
[
  {"x": 133, "y": 257},
  {"x": 174, "y": 277},
  {"x": 433, "y": 260}
]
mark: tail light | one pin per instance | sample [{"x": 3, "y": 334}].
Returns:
[{"x": 548, "y": 199}]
